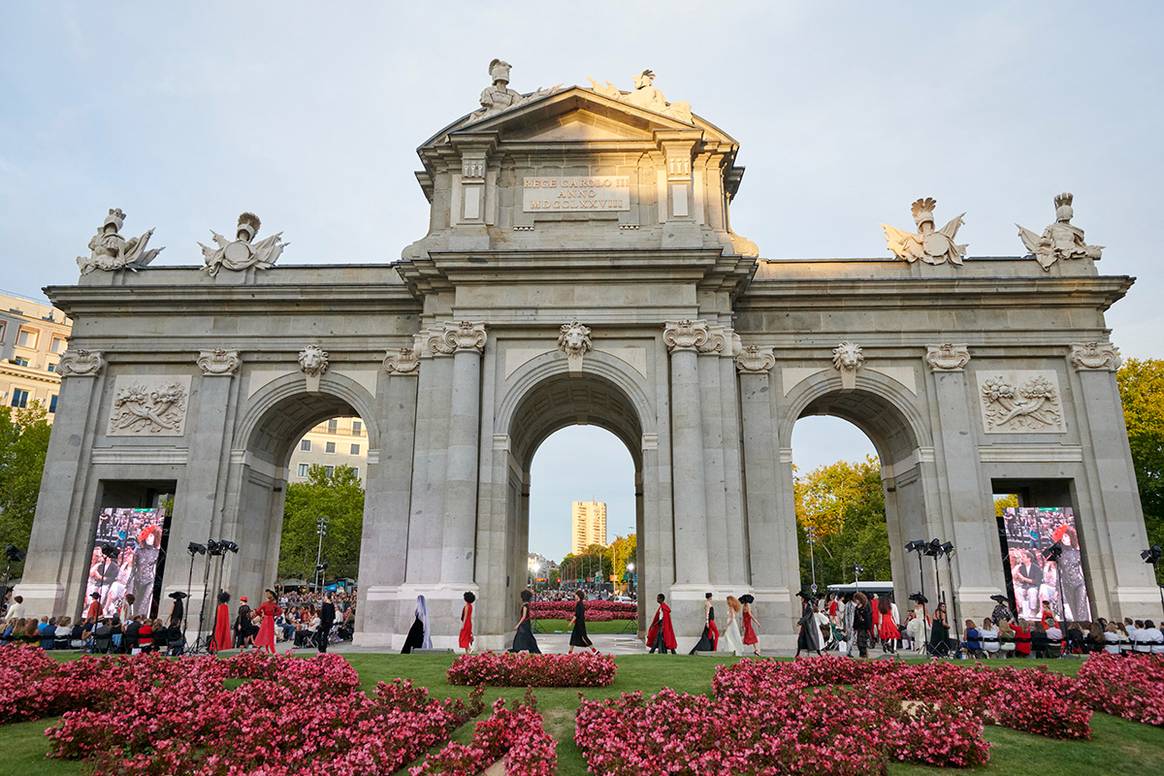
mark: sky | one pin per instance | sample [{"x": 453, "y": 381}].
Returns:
[{"x": 308, "y": 114}]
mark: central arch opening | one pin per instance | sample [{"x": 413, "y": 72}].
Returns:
[{"x": 576, "y": 438}]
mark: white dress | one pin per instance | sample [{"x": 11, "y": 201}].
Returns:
[{"x": 730, "y": 640}]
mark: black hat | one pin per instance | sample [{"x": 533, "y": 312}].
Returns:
[
  {"x": 95, "y": 595},
  {"x": 921, "y": 599},
  {"x": 1000, "y": 598},
  {"x": 177, "y": 595},
  {"x": 747, "y": 598},
  {"x": 806, "y": 593}
]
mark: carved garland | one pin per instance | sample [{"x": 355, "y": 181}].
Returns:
[
  {"x": 1032, "y": 406},
  {"x": 138, "y": 409}
]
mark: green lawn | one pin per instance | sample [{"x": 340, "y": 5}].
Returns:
[
  {"x": 563, "y": 626},
  {"x": 1118, "y": 747}
]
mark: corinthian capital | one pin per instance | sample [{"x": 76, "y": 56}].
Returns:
[
  {"x": 1096, "y": 356},
  {"x": 755, "y": 360},
  {"x": 686, "y": 335}
]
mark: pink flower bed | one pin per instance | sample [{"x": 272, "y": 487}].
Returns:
[
  {"x": 153, "y": 715},
  {"x": 1125, "y": 686},
  {"x": 515, "y": 735},
  {"x": 522, "y": 669},
  {"x": 596, "y": 611}
]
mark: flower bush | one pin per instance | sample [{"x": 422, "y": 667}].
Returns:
[
  {"x": 596, "y": 611},
  {"x": 1128, "y": 686},
  {"x": 523, "y": 669},
  {"x": 517, "y": 735}
]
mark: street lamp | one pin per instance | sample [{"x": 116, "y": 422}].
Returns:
[
  {"x": 321, "y": 529},
  {"x": 630, "y": 569},
  {"x": 810, "y": 534}
]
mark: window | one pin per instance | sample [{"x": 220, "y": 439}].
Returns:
[
  {"x": 355, "y": 449},
  {"x": 52, "y": 367},
  {"x": 27, "y": 338},
  {"x": 305, "y": 445},
  {"x": 19, "y": 398},
  {"x": 3, "y": 329},
  {"x": 57, "y": 345},
  {"x": 356, "y": 472},
  {"x": 303, "y": 469},
  {"x": 53, "y": 403},
  {"x": 329, "y": 447},
  {"x": 330, "y": 470},
  {"x": 357, "y": 427},
  {"x": 20, "y": 361},
  {"x": 332, "y": 427}
]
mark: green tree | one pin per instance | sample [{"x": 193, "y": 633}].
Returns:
[
  {"x": 623, "y": 550},
  {"x": 24, "y": 436},
  {"x": 595, "y": 560},
  {"x": 340, "y": 498},
  {"x": 1001, "y": 503},
  {"x": 1141, "y": 383},
  {"x": 845, "y": 506}
]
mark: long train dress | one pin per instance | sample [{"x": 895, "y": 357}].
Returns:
[
  {"x": 578, "y": 636},
  {"x": 465, "y": 638},
  {"x": 731, "y": 642},
  {"x": 222, "y": 639},
  {"x": 523, "y": 640},
  {"x": 710, "y": 636}
]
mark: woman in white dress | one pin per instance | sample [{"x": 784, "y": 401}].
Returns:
[{"x": 730, "y": 641}]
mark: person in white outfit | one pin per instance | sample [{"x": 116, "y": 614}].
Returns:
[{"x": 730, "y": 640}]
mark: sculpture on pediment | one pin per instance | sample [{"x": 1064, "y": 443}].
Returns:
[
  {"x": 138, "y": 409},
  {"x": 927, "y": 244},
  {"x": 243, "y": 252},
  {"x": 498, "y": 97},
  {"x": 574, "y": 341},
  {"x": 109, "y": 251},
  {"x": 645, "y": 96},
  {"x": 1060, "y": 240}
]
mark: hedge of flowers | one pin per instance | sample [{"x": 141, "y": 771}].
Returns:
[
  {"x": 523, "y": 669},
  {"x": 515, "y": 735},
  {"x": 152, "y": 715},
  {"x": 834, "y": 715},
  {"x": 596, "y": 611}
]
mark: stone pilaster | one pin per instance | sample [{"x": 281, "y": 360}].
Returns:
[
  {"x": 425, "y": 521},
  {"x": 683, "y": 340},
  {"x": 467, "y": 341},
  {"x": 738, "y": 561},
  {"x": 711, "y": 415}
]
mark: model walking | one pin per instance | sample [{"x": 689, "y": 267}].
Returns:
[
  {"x": 418, "y": 637},
  {"x": 750, "y": 623},
  {"x": 808, "y": 639},
  {"x": 661, "y": 635},
  {"x": 731, "y": 641},
  {"x": 268, "y": 610},
  {"x": 578, "y": 636},
  {"x": 889, "y": 630},
  {"x": 709, "y": 638},
  {"x": 523, "y": 639},
  {"x": 221, "y": 639},
  {"x": 465, "y": 638}
]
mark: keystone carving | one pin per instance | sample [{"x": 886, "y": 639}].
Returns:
[
  {"x": 1096, "y": 356},
  {"x": 109, "y": 251},
  {"x": 243, "y": 252},
  {"x": 754, "y": 360},
  {"x": 928, "y": 245},
  {"x": 686, "y": 335},
  {"x": 77, "y": 362},
  {"x": 405, "y": 361},
  {"x": 847, "y": 359},
  {"x": 574, "y": 341},
  {"x": 219, "y": 362},
  {"x": 947, "y": 357},
  {"x": 1060, "y": 240},
  {"x": 313, "y": 360}
]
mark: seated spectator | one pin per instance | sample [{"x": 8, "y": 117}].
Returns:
[
  {"x": 129, "y": 640},
  {"x": 63, "y": 633},
  {"x": 1055, "y": 643},
  {"x": 31, "y": 632},
  {"x": 1131, "y": 627},
  {"x": 11, "y": 626},
  {"x": 1114, "y": 641},
  {"x": 989, "y": 637},
  {"x": 1150, "y": 638},
  {"x": 77, "y": 635},
  {"x": 1076, "y": 639},
  {"x": 145, "y": 634},
  {"x": 103, "y": 636},
  {"x": 46, "y": 632},
  {"x": 1022, "y": 638},
  {"x": 972, "y": 642}
]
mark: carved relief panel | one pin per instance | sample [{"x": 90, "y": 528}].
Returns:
[
  {"x": 149, "y": 405},
  {"x": 1021, "y": 401}
]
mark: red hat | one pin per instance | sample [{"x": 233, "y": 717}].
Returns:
[{"x": 242, "y": 598}]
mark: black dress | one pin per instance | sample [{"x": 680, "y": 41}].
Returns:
[
  {"x": 415, "y": 637},
  {"x": 578, "y": 637},
  {"x": 705, "y": 644},
  {"x": 523, "y": 640}
]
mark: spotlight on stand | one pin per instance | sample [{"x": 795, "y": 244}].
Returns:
[
  {"x": 213, "y": 547},
  {"x": 227, "y": 545},
  {"x": 194, "y": 548},
  {"x": 1151, "y": 555},
  {"x": 948, "y": 549},
  {"x": 934, "y": 548},
  {"x": 916, "y": 545},
  {"x": 14, "y": 554}
]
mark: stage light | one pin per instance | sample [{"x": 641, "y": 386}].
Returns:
[
  {"x": 15, "y": 554},
  {"x": 321, "y": 566},
  {"x": 916, "y": 545},
  {"x": 1151, "y": 555},
  {"x": 934, "y": 548},
  {"x": 227, "y": 545},
  {"x": 213, "y": 547},
  {"x": 194, "y": 548},
  {"x": 948, "y": 548},
  {"x": 858, "y": 569}
]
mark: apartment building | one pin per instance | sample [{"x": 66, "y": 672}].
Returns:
[
  {"x": 588, "y": 519},
  {"x": 33, "y": 335},
  {"x": 332, "y": 444}
]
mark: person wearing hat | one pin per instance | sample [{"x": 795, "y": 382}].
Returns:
[
  {"x": 809, "y": 636},
  {"x": 750, "y": 623},
  {"x": 93, "y": 613},
  {"x": 465, "y": 637},
  {"x": 1002, "y": 612},
  {"x": 178, "y": 610},
  {"x": 243, "y": 628}
]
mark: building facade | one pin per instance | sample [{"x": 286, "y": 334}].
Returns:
[
  {"x": 588, "y": 525},
  {"x": 33, "y": 336},
  {"x": 580, "y": 267},
  {"x": 334, "y": 443}
]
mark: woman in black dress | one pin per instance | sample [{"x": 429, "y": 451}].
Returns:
[
  {"x": 709, "y": 638},
  {"x": 523, "y": 639},
  {"x": 578, "y": 637},
  {"x": 416, "y": 634}
]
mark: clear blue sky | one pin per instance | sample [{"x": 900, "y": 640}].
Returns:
[{"x": 184, "y": 115}]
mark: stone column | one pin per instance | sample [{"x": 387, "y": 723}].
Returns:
[
  {"x": 467, "y": 341},
  {"x": 977, "y": 566},
  {"x": 1130, "y": 589},
  {"x": 684, "y": 339},
  {"x": 57, "y": 561},
  {"x": 711, "y": 416},
  {"x": 738, "y": 564},
  {"x": 384, "y": 541}
]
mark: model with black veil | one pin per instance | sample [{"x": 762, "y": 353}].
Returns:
[{"x": 578, "y": 636}]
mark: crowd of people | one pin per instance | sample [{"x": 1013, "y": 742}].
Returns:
[{"x": 96, "y": 631}]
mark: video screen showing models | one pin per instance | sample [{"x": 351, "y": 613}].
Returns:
[
  {"x": 125, "y": 558},
  {"x": 1031, "y": 533}
]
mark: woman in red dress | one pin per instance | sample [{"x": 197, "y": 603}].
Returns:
[
  {"x": 465, "y": 639},
  {"x": 889, "y": 633},
  {"x": 750, "y": 623},
  {"x": 222, "y": 636},
  {"x": 268, "y": 610}
]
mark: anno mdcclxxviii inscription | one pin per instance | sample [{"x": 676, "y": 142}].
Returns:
[{"x": 575, "y": 193}]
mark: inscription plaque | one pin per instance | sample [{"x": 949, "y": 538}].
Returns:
[{"x": 577, "y": 193}]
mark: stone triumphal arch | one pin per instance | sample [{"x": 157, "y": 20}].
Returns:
[{"x": 580, "y": 266}]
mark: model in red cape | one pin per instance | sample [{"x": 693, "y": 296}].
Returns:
[
  {"x": 268, "y": 610},
  {"x": 709, "y": 638},
  {"x": 465, "y": 639},
  {"x": 750, "y": 623},
  {"x": 222, "y": 636},
  {"x": 661, "y": 635}
]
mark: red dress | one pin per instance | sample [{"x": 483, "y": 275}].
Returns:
[
  {"x": 889, "y": 630},
  {"x": 465, "y": 639},
  {"x": 222, "y": 637},
  {"x": 749, "y": 631},
  {"x": 266, "y": 638}
]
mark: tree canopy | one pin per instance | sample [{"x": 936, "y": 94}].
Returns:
[
  {"x": 340, "y": 498},
  {"x": 24, "y": 436},
  {"x": 1141, "y": 383}
]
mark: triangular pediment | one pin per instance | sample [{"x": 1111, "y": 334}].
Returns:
[{"x": 578, "y": 126}]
